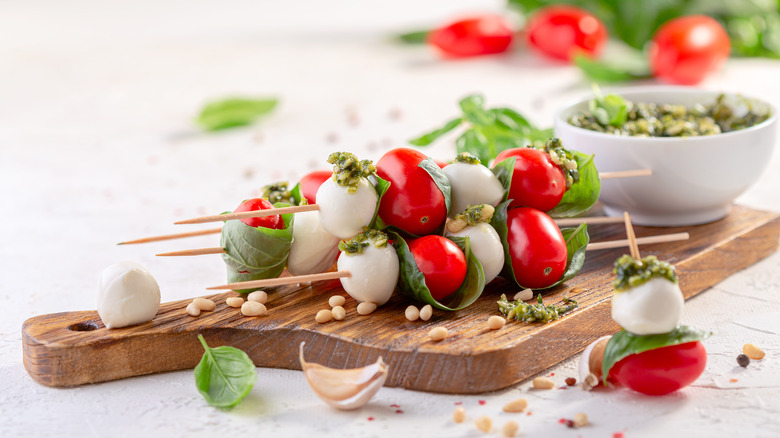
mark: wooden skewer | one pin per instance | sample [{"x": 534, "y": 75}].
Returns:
[
  {"x": 172, "y": 236},
  {"x": 193, "y": 252},
  {"x": 609, "y": 244},
  {"x": 293, "y": 279},
  {"x": 248, "y": 214},
  {"x": 632, "y": 245},
  {"x": 625, "y": 173},
  {"x": 588, "y": 220}
]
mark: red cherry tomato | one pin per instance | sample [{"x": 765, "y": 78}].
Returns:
[
  {"x": 536, "y": 181},
  {"x": 536, "y": 246},
  {"x": 413, "y": 203},
  {"x": 562, "y": 31},
  {"x": 274, "y": 221},
  {"x": 482, "y": 35},
  {"x": 686, "y": 49},
  {"x": 442, "y": 263},
  {"x": 311, "y": 182},
  {"x": 661, "y": 371}
]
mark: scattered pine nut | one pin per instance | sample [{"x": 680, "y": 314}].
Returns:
[
  {"x": 412, "y": 313},
  {"x": 336, "y": 300},
  {"x": 258, "y": 296},
  {"x": 484, "y": 423},
  {"x": 524, "y": 295},
  {"x": 510, "y": 429},
  {"x": 515, "y": 406},
  {"x": 459, "y": 415},
  {"x": 580, "y": 419},
  {"x": 438, "y": 333},
  {"x": 365, "y": 308},
  {"x": 426, "y": 312},
  {"x": 496, "y": 322},
  {"x": 543, "y": 383},
  {"x": 234, "y": 301},
  {"x": 753, "y": 351},
  {"x": 193, "y": 309},
  {"x": 253, "y": 308},
  {"x": 338, "y": 313},
  {"x": 324, "y": 316},
  {"x": 205, "y": 304}
]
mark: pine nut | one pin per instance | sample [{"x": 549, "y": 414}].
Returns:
[
  {"x": 411, "y": 313},
  {"x": 510, "y": 429},
  {"x": 258, "y": 296},
  {"x": 438, "y": 333},
  {"x": 338, "y": 313},
  {"x": 515, "y": 406},
  {"x": 495, "y": 322},
  {"x": 366, "y": 308},
  {"x": 323, "y": 316},
  {"x": 253, "y": 308},
  {"x": 524, "y": 295},
  {"x": 484, "y": 423},
  {"x": 459, "y": 415},
  {"x": 205, "y": 304},
  {"x": 336, "y": 300},
  {"x": 753, "y": 351},
  {"x": 580, "y": 419},
  {"x": 426, "y": 312},
  {"x": 543, "y": 383},
  {"x": 234, "y": 301},
  {"x": 193, "y": 309}
]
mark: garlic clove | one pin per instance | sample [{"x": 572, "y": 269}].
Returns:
[
  {"x": 344, "y": 389},
  {"x": 590, "y": 363}
]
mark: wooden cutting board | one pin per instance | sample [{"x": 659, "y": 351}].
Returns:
[{"x": 74, "y": 348}]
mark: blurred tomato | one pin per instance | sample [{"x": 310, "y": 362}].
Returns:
[
  {"x": 562, "y": 31},
  {"x": 483, "y": 35},
  {"x": 311, "y": 182}
]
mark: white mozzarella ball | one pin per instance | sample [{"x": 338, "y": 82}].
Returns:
[
  {"x": 486, "y": 246},
  {"x": 313, "y": 249},
  {"x": 651, "y": 308},
  {"x": 472, "y": 184},
  {"x": 127, "y": 295},
  {"x": 344, "y": 214},
  {"x": 374, "y": 273}
]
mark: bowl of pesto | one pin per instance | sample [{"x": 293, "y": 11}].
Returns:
[{"x": 704, "y": 148}]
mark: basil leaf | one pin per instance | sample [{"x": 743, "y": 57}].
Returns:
[
  {"x": 499, "y": 223},
  {"x": 426, "y": 139},
  {"x": 503, "y": 170},
  {"x": 474, "y": 142},
  {"x": 414, "y": 37},
  {"x": 225, "y": 375},
  {"x": 584, "y": 193},
  {"x": 623, "y": 344},
  {"x": 441, "y": 180},
  {"x": 473, "y": 108},
  {"x": 603, "y": 71},
  {"x": 255, "y": 253},
  {"x": 411, "y": 282},
  {"x": 296, "y": 194},
  {"x": 511, "y": 120},
  {"x": 381, "y": 185},
  {"x": 233, "y": 112}
]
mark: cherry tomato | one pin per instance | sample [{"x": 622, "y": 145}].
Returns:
[
  {"x": 273, "y": 221},
  {"x": 686, "y": 49},
  {"x": 413, "y": 203},
  {"x": 562, "y": 31},
  {"x": 536, "y": 181},
  {"x": 536, "y": 247},
  {"x": 311, "y": 182},
  {"x": 661, "y": 371},
  {"x": 442, "y": 263},
  {"x": 476, "y": 36}
]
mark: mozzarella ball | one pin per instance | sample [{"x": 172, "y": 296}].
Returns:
[
  {"x": 486, "y": 246},
  {"x": 374, "y": 273},
  {"x": 344, "y": 214},
  {"x": 127, "y": 295},
  {"x": 651, "y": 308},
  {"x": 313, "y": 249},
  {"x": 472, "y": 184}
]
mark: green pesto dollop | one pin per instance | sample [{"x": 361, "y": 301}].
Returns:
[
  {"x": 468, "y": 158},
  {"x": 563, "y": 158},
  {"x": 347, "y": 169},
  {"x": 475, "y": 214},
  {"x": 278, "y": 192},
  {"x": 359, "y": 243},
  {"x": 630, "y": 272},
  {"x": 539, "y": 312}
]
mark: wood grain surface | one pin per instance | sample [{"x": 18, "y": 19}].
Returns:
[{"x": 75, "y": 348}]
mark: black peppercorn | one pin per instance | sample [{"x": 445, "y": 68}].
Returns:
[{"x": 743, "y": 360}]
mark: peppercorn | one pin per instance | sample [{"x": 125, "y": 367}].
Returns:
[
  {"x": 743, "y": 360},
  {"x": 571, "y": 381}
]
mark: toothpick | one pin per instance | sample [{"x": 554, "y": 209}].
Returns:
[
  {"x": 609, "y": 244},
  {"x": 567, "y": 222},
  {"x": 248, "y": 214},
  {"x": 193, "y": 252},
  {"x": 293, "y": 279},
  {"x": 172, "y": 236},
  {"x": 631, "y": 236},
  {"x": 625, "y": 173}
]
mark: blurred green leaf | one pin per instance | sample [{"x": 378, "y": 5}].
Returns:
[
  {"x": 234, "y": 112},
  {"x": 415, "y": 37}
]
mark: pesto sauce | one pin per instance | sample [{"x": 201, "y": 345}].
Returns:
[
  {"x": 278, "y": 192},
  {"x": 359, "y": 243},
  {"x": 563, "y": 158},
  {"x": 538, "y": 312},
  {"x": 347, "y": 170},
  {"x": 468, "y": 158},
  {"x": 474, "y": 215},
  {"x": 630, "y": 272}
]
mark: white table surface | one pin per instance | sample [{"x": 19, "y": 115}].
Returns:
[{"x": 97, "y": 146}]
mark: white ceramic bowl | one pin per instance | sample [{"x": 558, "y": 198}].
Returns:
[{"x": 694, "y": 180}]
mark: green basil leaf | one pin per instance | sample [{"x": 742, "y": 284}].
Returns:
[
  {"x": 225, "y": 375},
  {"x": 540, "y": 135},
  {"x": 255, "y": 253},
  {"x": 414, "y": 37},
  {"x": 603, "y": 71},
  {"x": 426, "y": 139},
  {"x": 441, "y": 180},
  {"x": 584, "y": 193},
  {"x": 381, "y": 185},
  {"x": 623, "y": 344},
  {"x": 577, "y": 240},
  {"x": 503, "y": 170},
  {"x": 473, "y": 108},
  {"x": 296, "y": 194},
  {"x": 233, "y": 112},
  {"x": 411, "y": 282},
  {"x": 511, "y": 120},
  {"x": 474, "y": 142}
]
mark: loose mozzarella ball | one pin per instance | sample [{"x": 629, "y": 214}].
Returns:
[
  {"x": 374, "y": 273},
  {"x": 472, "y": 184},
  {"x": 344, "y": 214},
  {"x": 651, "y": 308},
  {"x": 313, "y": 249},
  {"x": 127, "y": 295},
  {"x": 486, "y": 246}
]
